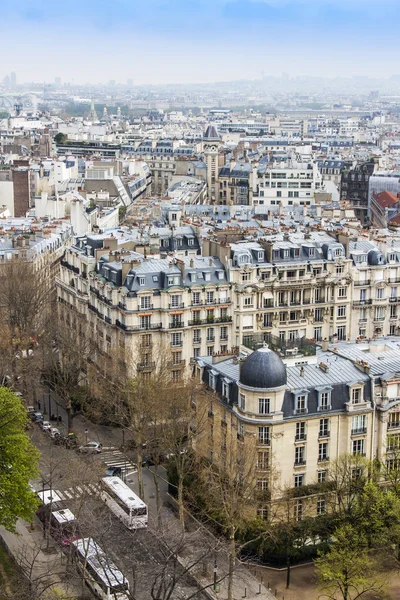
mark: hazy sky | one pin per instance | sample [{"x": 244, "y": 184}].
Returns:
[{"x": 182, "y": 41}]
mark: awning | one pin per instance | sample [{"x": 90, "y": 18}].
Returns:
[
  {"x": 197, "y": 310},
  {"x": 145, "y": 314},
  {"x": 224, "y": 306},
  {"x": 177, "y": 313},
  {"x": 210, "y": 309}
]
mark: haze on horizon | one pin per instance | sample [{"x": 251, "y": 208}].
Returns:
[{"x": 187, "y": 41}]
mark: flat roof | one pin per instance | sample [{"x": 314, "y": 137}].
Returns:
[
  {"x": 123, "y": 492},
  {"x": 49, "y": 496},
  {"x": 63, "y": 516}
]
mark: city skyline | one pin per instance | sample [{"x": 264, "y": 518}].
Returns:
[{"x": 188, "y": 42}]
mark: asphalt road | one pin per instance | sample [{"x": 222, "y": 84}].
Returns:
[{"x": 146, "y": 557}]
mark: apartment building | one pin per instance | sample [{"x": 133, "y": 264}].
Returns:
[
  {"x": 298, "y": 287},
  {"x": 182, "y": 304},
  {"x": 287, "y": 182},
  {"x": 301, "y": 417}
]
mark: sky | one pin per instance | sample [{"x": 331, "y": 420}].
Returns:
[{"x": 195, "y": 41}]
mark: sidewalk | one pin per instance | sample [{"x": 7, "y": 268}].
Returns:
[{"x": 45, "y": 569}]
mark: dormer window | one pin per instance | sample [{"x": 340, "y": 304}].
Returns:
[
  {"x": 142, "y": 280},
  {"x": 285, "y": 253},
  {"x": 207, "y": 276},
  {"x": 311, "y": 252},
  {"x": 301, "y": 402},
  {"x": 190, "y": 242},
  {"x": 226, "y": 389},
  {"x": 356, "y": 396},
  {"x": 261, "y": 255},
  {"x": 276, "y": 254},
  {"x": 193, "y": 277},
  {"x": 324, "y": 398},
  {"x": 213, "y": 380},
  {"x": 170, "y": 281}
]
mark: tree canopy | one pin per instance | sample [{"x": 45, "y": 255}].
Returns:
[{"x": 18, "y": 462}]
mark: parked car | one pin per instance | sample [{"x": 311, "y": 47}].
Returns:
[
  {"x": 31, "y": 409},
  {"x": 91, "y": 448},
  {"x": 113, "y": 472},
  {"x": 36, "y": 417},
  {"x": 45, "y": 425},
  {"x": 54, "y": 432}
]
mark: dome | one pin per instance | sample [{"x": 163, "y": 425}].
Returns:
[{"x": 263, "y": 369}]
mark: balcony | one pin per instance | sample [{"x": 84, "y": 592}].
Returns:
[
  {"x": 300, "y": 462},
  {"x": 176, "y": 324},
  {"x": 108, "y": 320},
  {"x": 301, "y": 437},
  {"x": 394, "y": 299},
  {"x": 177, "y": 364},
  {"x": 301, "y": 411},
  {"x": 324, "y": 434},
  {"x": 197, "y": 341},
  {"x": 319, "y": 301},
  {"x": 322, "y": 459},
  {"x": 362, "y": 283},
  {"x": 177, "y": 344},
  {"x": 359, "y": 431},
  {"x": 178, "y": 305},
  {"x": 146, "y": 366},
  {"x": 393, "y": 424},
  {"x": 148, "y": 327},
  {"x": 211, "y": 340},
  {"x": 144, "y": 307}
]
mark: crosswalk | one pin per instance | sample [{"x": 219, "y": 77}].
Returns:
[
  {"x": 112, "y": 457},
  {"x": 74, "y": 493}
]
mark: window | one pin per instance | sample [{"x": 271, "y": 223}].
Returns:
[
  {"x": 248, "y": 301},
  {"x": 242, "y": 401},
  {"x": 196, "y": 352},
  {"x": 196, "y": 298},
  {"x": 324, "y": 401},
  {"x": 318, "y": 315},
  {"x": 393, "y": 292},
  {"x": 191, "y": 243},
  {"x": 210, "y": 334},
  {"x": 145, "y": 340},
  {"x": 341, "y": 332},
  {"x": 356, "y": 395},
  {"x": 318, "y": 333},
  {"x": 246, "y": 277},
  {"x": 145, "y": 322},
  {"x": 210, "y": 297},
  {"x": 210, "y": 350},
  {"x": 392, "y": 330},
  {"x": 298, "y": 480},
  {"x": 300, "y": 431},
  {"x": 323, "y": 451},
  {"x": 321, "y": 476},
  {"x": 379, "y": 293},
  {"x": 262, "y": 512},
  {"x": 196, "y": 336},
  {"x": 341, "y": 312},
  {"x": 225, "y": 390},
  {"x": 342, "y": 292},
  {"x": 324, "y": 428},
  {"x": 223, "y": 333},
  {"x": 171, "y": 280},
  {"x": 241, "y": 429},
  {"x": 321, "y": 506},
  {"x": 299, "y": 455},
  {"x": 176, "y": 339},
  {"x": 393, "y": 311},
  {"x": 359, "y": 424},
  {"x": 262, "y": 484},
  {"x": 358, "y": 447},
  {"x": 339, "y": 269},
  {"x": 142, "y": 280},
  {"x": 263, "y": 406},
  {"x": 264, "y": 435},
  {"x": 263, "y": 460},
  {"x": 175, "y": 301},
  {"x": 176, "y": 376},
  {"x": 300, "y": 404}
]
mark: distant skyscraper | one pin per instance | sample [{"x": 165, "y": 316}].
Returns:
[
  {"x": 92, "y": 114},
  {"x": 13, "y": 79},
  {"x": 7, "y": 81}
]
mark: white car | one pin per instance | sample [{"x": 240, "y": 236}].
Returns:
[
  {"x": 45, "y": 425},
  {"x": 91, "y": 448},
  {"x": 54, "y": 432}
]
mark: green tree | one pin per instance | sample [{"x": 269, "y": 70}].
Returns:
[
  {"x": 18, "y": 462},
  {"x": 348, "y": 571},
  {"x": 60, "y": 138}
]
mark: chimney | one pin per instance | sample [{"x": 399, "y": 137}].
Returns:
[
  {"x": 325, "y": 345},
  {"x": 301, "y": 371},
  {"x": 191, "y": 263}
]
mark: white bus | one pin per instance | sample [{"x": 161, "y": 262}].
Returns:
[
  {"x": 99, "y": 572},
  {"x": 124, "y": 503}
]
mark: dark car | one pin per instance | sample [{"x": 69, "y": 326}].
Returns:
[{"x": 114, "y": 472}]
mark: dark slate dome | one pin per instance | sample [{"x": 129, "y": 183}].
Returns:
[{"x": 263, "y": 369}]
